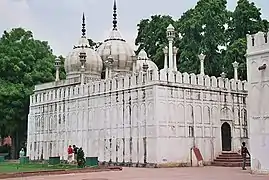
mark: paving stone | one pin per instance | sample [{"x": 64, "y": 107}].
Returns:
[{"x": 203, "y": 173}]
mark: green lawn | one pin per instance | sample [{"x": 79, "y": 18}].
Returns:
[{"x": 14, "y": 167}]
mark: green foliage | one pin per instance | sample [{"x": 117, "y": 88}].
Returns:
[
  {"x": 94, "y": 45},
  {"x": 152, "y": 37},
  {"x": 208, "y": 28},
  {"x": 24, "y": 62},
  {"x": 236, "y": 51},
  {"x": 246, "y": 19},
  {"x": 5, "y": 149}
]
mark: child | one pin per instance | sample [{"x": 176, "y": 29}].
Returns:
[{"x": 70, "y": 154}]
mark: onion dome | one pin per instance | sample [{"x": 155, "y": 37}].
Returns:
[
  {"x": 117, "y": 48},
  {"x": 143, "y": 60},
  {"x": 93, "y": 64}
]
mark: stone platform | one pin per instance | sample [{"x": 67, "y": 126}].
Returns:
[{"x": 204, "y": 173}]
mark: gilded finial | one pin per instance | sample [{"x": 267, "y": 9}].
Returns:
[
  {"x": 115, "y": 16},
  {"x": 83, "y": 26}
]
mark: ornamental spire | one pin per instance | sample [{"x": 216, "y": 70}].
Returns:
[
  {"x": 115, "y": 16},
  {"x": 83, "y": 30}
]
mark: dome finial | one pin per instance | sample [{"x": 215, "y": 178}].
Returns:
[
  {"x": 115, "y": 16},
  {"x": 83, "y": 26}
]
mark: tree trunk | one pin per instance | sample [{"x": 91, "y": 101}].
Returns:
[
  {"x": 15, "y": 147},
  {"x": 13, "y": 151}
]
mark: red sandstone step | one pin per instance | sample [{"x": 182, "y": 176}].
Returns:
[
  {"x": 227, "y": 157},
  {"x": 230, "y": 160},
  {"x": 229, "y": 152},
  {"x": 229, "y": 164},
  {"x": 230, "y": 155}
]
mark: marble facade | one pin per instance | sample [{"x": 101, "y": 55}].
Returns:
[
  {"x": 148, "y": 117},
  {"x": 258, "y": 100}
]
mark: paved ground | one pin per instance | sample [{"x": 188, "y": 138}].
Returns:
[{"x": 205, "y": 173}]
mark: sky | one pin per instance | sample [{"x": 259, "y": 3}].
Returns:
[{"x": 59, "y": 21}]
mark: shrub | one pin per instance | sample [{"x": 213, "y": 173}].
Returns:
[{"x": 5, "y": 149}]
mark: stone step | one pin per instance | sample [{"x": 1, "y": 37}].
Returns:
[
  {"x": 229, "y": 164},
  {"x": 230, "y": 155},
  {"x": 230, "y": 160}
]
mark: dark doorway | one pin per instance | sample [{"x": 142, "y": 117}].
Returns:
[{"x": 226, "y": 137}]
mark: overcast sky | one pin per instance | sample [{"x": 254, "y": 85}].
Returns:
[{"x": 59, "y": 21}]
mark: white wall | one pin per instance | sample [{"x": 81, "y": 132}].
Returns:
[
  {"x": 258, "y": 101},
  {"x": 180, "y": 108},
  {"x": 144, "y": 117}
]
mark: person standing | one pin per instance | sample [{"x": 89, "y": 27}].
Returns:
[
  {"x": 244, "y": 152},
  {"x": 75, "y": 149},
  {"x": 22, "y": 153},
  {"x": 70, "y": 154}
]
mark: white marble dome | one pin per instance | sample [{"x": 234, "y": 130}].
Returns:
[
  {"x": 120, "y": 50},
  {"x": 143, "y": 59},
  {"x": 93, "y": 64}
]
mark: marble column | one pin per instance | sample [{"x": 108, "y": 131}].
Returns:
[
  {"x": 165, "y": 51},
  {"x": 175, "y": 50},
  {"x": 202, "y": 68},
  {"x": 235, "y": 66}
]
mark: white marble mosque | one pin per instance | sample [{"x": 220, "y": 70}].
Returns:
[{"x": 138, "y": 114}]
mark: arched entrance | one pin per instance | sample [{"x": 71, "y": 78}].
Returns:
[{"x": 226, "y": 137}]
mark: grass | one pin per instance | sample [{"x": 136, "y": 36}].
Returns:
[{"x": 32, "y": 167}]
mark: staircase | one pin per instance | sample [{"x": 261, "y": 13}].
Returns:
[{"x": 230, "y": 159}]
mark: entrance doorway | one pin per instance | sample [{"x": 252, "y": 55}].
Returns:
[{"x": 226, "y": 137}]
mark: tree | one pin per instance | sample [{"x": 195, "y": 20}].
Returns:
[
  {"x": 236, "y": 52},
  {"x": 203, "y": 30},
  {"x": 152, "y": 37},
  {"x": 190, "y": 27},
  {"x": 246, "y": 19},
  {"x": 24, "y": 62},
  {"x": 94, "y": 45},
  {"x": 208, "y": 28}
]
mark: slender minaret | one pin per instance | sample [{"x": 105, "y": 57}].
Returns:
[
  {"x": 170, "y": 36},
  {"x": 202, "y": 61},
  {"x": 115, "y": 22},
  {"x": 57, "y": 67},
  {"x": 175, "y": 49},
  {"x": 235, "y": 65},
  {"x": 165, "y": 51}
]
